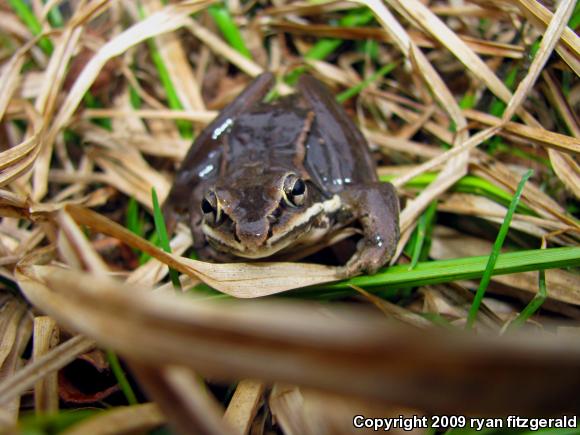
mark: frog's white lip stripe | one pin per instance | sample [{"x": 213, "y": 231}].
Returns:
[
  {"x": 329, "y": 206},
  {"x": 279, "y": 241}
]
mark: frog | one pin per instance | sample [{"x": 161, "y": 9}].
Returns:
[{"x": 267, "y": 179}]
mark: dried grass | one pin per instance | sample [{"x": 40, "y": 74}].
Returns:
[{"x": 62, "y": 155}]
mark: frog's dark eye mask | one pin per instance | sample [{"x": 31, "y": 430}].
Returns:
[{"x": 293, "y": 191}]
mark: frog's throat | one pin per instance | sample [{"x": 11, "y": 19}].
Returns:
[{"x": 298, "y": 232}]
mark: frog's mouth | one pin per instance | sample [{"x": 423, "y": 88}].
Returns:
[{"x": 305, "y": 229}]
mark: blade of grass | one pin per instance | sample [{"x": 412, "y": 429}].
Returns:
[
  {"x": 574, "y": 20},
  {"x": 136, "y": 224},
  {"x": 326, "y": 46},
  {"x": 121, "y": 378},
  {"x": 467, "y": 184},
  {"x": 355, "y": 90},
  {"x": 54, "y": 16},
  {"x": 468, "y": 101},
  {"x": 93, "y": 103},
  {"x": 132, "y": 221},
  {"x": 172, "y": 98},
  {"x": 185, "y": 129},
  {"x": 497, "y": 108},
  {"x": 424, "y": 229},
  {"x": 534, "y": 304},
  {"x": 134, "y": 98},
  {"x": 162, "y": 235},
  {"x": 502, "y": 146},
  {"x": 485, "y": 280},
  {"x": 409, "y": 249},
  {"x": 21, "y": 8},
  {"x": 153, "y": 239},
  {"x": 229, "y": 29},
  {"x": 431, "y": 218},
  {"x": 457, "y": 269},
  {"x": 34, "y": 424},
  {"x": 371, "y": 49}
]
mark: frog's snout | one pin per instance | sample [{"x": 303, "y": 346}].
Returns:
[{"x": 252, "y": 234}]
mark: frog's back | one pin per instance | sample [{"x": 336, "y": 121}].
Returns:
[
  {"x": 337, "y": 152},
  {"x": 268, "y": 134},
  {"x": 292, "y": 133},
  {"x": 335, "y": 164}
]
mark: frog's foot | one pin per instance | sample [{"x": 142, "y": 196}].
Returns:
[
  {"x": 378, "y": 214},
  {"x": 369, "y": 257}
]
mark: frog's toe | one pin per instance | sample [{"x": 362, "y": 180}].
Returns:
[
  {"x": 370, "y": 265},
  {"x": 373, "y": 265},
  {"x": 366, "y": 261}
]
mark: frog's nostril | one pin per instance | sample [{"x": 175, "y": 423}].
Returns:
[{"x": 253, "y": 233}]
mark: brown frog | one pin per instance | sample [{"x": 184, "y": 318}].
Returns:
[{"x": 268, "y": 179}]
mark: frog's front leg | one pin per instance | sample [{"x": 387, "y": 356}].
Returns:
[{"x": 376, "y": 207}]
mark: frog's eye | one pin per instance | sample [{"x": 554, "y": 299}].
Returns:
[
  {"x": 211, "y": 209},
  {"x": 294, "y": 191}
]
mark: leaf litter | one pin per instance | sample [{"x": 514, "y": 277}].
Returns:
[{"x": 68, "y": 167}]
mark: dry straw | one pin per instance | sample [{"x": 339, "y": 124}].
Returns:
[{"x": 97, "y": 102}]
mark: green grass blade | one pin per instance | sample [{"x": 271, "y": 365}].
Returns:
[
  {"x": 43, "y": 424},
  {"x": 153, "y": 239},
  {"x": 497, "y": 106},
  {"x": 185, "y": 128},
  {"x": 92, "y": 102},
  {"x": 132, "y": 221},
  {"x": 121, "y": 378},
  {"x": 422, "y": 241},
  {"x": 501, "y": 146},
  {"x": 371, "y": 49},
  {"x": 173, "y": 101},
  {"x": 355, "y": 90},
  {"x": 534, "y": 304},
  {"x": 21, "y": 8},
  {"x": 134, "y": 98},
  {"x": 431, "y": 217},
  {"x": 534, "y": 48},
  {"x": 468, "y": 101},
  {"x": 54, "y": 16},
  {"x": 467, "y": 184},
  {"x": 162, "y": 234},
  {"x": 485, "y": 280},
  {"x": 326, "y": 46},
  {"x": 457, "y": 269},
  {"x": 574, "y": 20},
  {"x": 229, "y": 29}
]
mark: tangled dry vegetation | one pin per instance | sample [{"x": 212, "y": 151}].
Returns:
[{"x": 457, "y": 99}]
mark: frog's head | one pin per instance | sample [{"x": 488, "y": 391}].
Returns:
[{"x": 258, "y": 212}]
